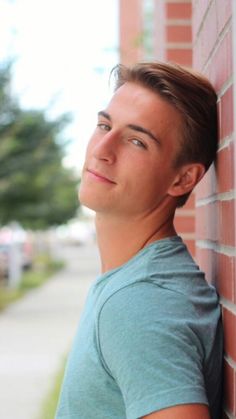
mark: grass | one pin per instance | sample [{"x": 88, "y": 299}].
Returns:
[
  {"x": 8, "y": 296},
  {"x": 49, "y": 406},
  {"x": 43, "y": 269}
]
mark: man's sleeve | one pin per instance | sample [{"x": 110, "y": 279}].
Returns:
[{"x": 149, "y": 345}]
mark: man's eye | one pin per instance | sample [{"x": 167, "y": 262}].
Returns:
[
  {"x": 138, "y": 143},
  {"x": 103, "y": 126}
]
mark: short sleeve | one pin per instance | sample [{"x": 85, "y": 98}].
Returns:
[{"x": 148, "y": 344}]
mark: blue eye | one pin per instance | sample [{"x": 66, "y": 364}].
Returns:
[
  {"x": 138, "y": 143},
  {"x": 104, "y": 127}
]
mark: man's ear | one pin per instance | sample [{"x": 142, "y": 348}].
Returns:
[{"x": 186, "y": 179}]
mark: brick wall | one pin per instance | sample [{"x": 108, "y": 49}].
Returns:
[
  {"x": 215, "y": 198},
  {"x": 173, "y": 31},
  {"x": 173, "y": 42},
  {"x": 131, "y": 30},
  {"x": 179, "y": 32}
]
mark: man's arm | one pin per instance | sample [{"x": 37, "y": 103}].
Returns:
[{"x": 187, "y": 411}]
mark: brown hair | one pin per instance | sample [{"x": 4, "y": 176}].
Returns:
[{"x": 192, "y": 95}]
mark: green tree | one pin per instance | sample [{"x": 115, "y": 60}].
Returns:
[{"x": 35, "y": 188}]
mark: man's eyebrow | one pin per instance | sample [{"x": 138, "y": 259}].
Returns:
[
  {"x": 132, "y": 126},
  {"x": 105, "y": 114},
  {"x": 145, "y": 131}
]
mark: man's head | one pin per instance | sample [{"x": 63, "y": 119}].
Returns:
[
  {"x": 195, "y": 99},
  {"x": 153, "y": 142}
]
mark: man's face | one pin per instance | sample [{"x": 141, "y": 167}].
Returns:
[{"x": 128, "y": 168}]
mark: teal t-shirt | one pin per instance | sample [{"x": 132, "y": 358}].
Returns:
[{"x": 149, "y": 338}]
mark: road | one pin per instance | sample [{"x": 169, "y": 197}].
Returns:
[{"x": 36, "y": 333}]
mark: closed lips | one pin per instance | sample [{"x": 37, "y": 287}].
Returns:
[{"x": 99, "y": 175}]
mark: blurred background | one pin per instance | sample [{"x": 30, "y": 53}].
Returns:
[{"x": 55, "y": 59}]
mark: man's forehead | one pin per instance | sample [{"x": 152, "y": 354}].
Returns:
[
  {"x": 137, "y": 104},
  {"x": 135, "y": 95}
]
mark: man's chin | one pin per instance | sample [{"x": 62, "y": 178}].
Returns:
[{"x": 87, "y": 200}]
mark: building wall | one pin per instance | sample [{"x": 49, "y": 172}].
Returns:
[
  {"x": 173, "y": 43},
  {"x": 179, "y": 31},
  {"x": 131, "y": 31},
  {"x": 215, "y": 198}
]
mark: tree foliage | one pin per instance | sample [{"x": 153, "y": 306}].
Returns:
[{"x": 35, "y": 188}]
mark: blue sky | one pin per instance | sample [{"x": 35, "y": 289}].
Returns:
[{"x": 64, "y": 52}]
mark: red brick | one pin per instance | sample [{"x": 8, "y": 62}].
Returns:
[
  {"x": 214, "y": 20},
  {"x": 223, "y": 13},
  {"x": 226, "y": 276},
  {"x": 177, "y": 33},
  {"x": 190, "y": 204},
  {"x": 225, "y": 169},
  {"x": 226, "y": 114},
  {"x": 226, "y": 222},
  {"x": 130, "y": 29},
  {"x": 220, "y": 68},
  {"x": 206, "y": 38},
  {"x": 206, "y": 222},
  {"x": 159, "y": 30},
  {"x": 180, "y": 56},
  {"x": 206, "y": 258},
  {"x": 229, "y": 325},
  {"x": 229, "y": 387},
  {"x": 208, "y": 185},
  {"x": 199, "y": 10},
  {"x": 191, "y": 245},
  {"x": 179, "y": 10},
  {"x": 185, "y": 224}
]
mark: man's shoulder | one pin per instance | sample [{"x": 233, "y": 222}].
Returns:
[
  {"x": 154, "y": 286},
  {"x": 161, "y": 269}
]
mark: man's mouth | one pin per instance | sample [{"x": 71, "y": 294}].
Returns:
[{"x": 99, "y": 176}]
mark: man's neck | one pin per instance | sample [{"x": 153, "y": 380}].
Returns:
[{"x": 120, "y": 239}]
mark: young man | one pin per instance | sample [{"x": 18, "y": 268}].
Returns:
[{"x": 149, "y": 343}]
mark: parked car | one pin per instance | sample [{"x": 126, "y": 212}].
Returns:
[{"x": 14, "y": 238}]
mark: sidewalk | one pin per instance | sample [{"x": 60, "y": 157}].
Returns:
[{"x": 36, "y": 333}]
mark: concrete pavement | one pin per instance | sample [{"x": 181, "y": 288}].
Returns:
[{"x": 36, "y": 333}]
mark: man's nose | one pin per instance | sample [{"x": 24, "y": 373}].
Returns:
[{"x": 106, "y": 148}]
